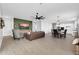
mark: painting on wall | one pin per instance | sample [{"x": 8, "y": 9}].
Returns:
[
  {"x": 22, "y": 24},
  {"x": 1, "y": 23}
]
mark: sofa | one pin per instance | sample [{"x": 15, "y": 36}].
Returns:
[{"x": 34, "y": 35}]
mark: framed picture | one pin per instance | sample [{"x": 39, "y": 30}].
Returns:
[{"x": 1, "y": 23}]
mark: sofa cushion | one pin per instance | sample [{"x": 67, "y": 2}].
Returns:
[{"x": 75, "y": 41}]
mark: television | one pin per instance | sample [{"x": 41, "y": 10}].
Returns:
[
  {"x": 21, "y": 24},
  {"x": 24, "y": 26}
]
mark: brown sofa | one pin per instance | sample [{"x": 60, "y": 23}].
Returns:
[{"x": 34, "y": 35}]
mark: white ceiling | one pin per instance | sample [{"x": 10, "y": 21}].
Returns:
[{"x": 27, "y": 10}]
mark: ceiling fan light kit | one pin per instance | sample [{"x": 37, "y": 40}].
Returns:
[{"x": 39, "y": 17}]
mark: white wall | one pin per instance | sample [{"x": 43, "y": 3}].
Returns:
[
  {"x": 46, "y": 26},
  {"x": 34, "y": 25},
  {"x": 7, "y": 30}
]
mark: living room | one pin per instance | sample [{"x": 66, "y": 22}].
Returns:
[{"x": 42, "y": 16}]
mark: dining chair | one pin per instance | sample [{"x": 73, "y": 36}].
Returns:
[{"x": 63, "y": 33}]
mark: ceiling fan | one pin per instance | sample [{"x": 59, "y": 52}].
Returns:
[{"x": 39, "y": 17}]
